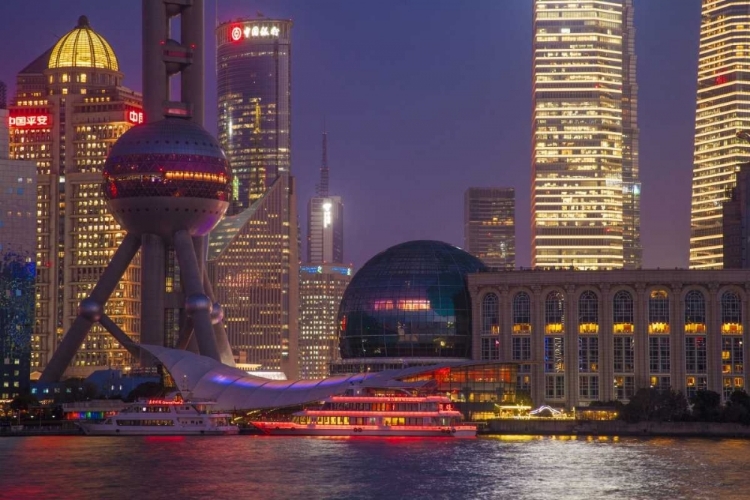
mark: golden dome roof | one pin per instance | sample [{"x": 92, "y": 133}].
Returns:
[{"x": 83, "y": 47}]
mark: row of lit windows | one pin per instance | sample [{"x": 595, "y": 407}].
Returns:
[{"x": 622, "y": 309}]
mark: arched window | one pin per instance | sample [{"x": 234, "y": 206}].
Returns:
[
  {"x": 622, "y": 312},
  {"x": 658, "y": 312},
  {"x": 695, "y": 312},
  {"x": 588, "y": 312},
  {"x": 731, "y": 313},
  {"x": 521, "y": 313},
  {"x": 490, "y": 315},
  {"x": 554, "y": 313}
]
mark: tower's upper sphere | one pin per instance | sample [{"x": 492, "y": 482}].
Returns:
[
  {"x": 409, "y": 301},
  {"x": 168, "y": 175},
  {"x": 83, "y": 47}
]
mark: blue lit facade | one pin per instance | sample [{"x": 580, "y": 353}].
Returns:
[
  {"x": 17, "y": 273},
  {"x": 410, "y": 301}
]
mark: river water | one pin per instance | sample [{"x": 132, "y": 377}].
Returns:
[{"x": 259, "y": 467}]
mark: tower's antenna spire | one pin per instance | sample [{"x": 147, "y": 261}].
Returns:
[{"x": 323, "y": 186}]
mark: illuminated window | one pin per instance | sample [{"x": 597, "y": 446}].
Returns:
[
  {"x": 490, "y": 315},
  {"x": 731, "y": 313},
  {"x": 554, "y": 313},
  {"x": 521, "y": 313},
  {"x": 658, "y": 312},
  {"x": 695, "y": 312},
  {"x": 588, "y": 312}
]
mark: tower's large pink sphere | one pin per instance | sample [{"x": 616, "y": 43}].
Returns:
[{"x": 166, "y": 176}]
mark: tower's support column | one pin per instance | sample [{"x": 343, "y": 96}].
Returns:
[
  {"x": 119, "y": 335},
  {"x": 197, "y": 303},
  {"x": 91, "y": 309},
  {"x": 153, "y": 255},
  {"x": 217, "y": 317}
]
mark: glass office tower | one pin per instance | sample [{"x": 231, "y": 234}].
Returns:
[
  {"x": 722, "y": 109},
  {"x": 490, "y": 226},
  {"x": 254, "y": 95},
  {"x": 585, "y": 187}
]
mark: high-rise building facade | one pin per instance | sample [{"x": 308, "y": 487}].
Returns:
[
  {"x": 253, "y": 261},
  {"x": 261, "y": 260},
  {"x": 321, "y": 288},
  {"x": 736, "y": 223},
  {"x": 490, "y": 226},
  {"x": 253, "y": 75},
  {"x": 17, "y": 264},
  {"x": 722, "y": 109},
  {"x": 69, "y": 108},
  {"x": 325, "y": 220},
  {"x": 323, "y": 278},
  {"x": 585, "y": 193}
]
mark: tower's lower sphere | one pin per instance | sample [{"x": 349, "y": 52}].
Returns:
[{"x": 166, "y": 176}]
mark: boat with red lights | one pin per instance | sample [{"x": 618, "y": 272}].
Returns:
[
  {"x": 375, "y": 415},
  {"x": 163, "y": 417}
]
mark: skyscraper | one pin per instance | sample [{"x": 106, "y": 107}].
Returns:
[
  {"x": 722, "y": 109},
  {"x": 736, "y": 223},
  {"x": 585, "y": 193},
  {"x": 490, "y": 227},
  {"x": 17, "y": 264},
  {"x": 254, "y": 255},
  {"x": 325, "y": 220},
  {"x": 321, "y": 288},
  {"x": 69, "y": 108},
  {"x": 254, "y": 79},
  {"x": 253, "y": 264},
  {"x": 323, "y": 278}
]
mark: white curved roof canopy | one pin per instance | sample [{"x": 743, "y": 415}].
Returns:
[{"x": 233, "y": 388}]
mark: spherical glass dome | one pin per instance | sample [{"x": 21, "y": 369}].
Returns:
[
  {"x": 83, "y": 47},
  {"x": 409, "y": 301}
]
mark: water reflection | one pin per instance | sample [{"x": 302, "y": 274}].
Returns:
[{"x": 523, "y": 467}]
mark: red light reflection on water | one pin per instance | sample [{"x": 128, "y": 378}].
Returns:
[{"x": 163, "y": 439}]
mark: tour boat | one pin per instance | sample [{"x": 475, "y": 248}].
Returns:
[
  {"x": 370, "y": 415},
  {"x": 159, "y": 417}
]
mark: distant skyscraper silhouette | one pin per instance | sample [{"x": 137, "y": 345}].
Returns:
[
  {"x": 325, "y": 220},
  {"x": 585, "y": 193},
  {"x": 323, "y": 278},
  {"x": 736, "y": 223},
  {"x": 721, "y": 111},
  {"x": 490, "y": 226}
]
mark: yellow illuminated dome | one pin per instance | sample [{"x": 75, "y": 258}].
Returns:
[{"x": 83, "y": 47}]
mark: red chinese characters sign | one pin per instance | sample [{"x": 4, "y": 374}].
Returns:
[
  {"x": 134, "y": 115},
  {"x": 30, "y": 121}
]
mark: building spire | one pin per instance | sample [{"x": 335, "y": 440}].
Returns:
[{"x": 323, "y": 186}]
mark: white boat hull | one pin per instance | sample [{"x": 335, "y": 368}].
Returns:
[
  {"x": 91, "y": 429},
  {"x": 291, "y": 429}
]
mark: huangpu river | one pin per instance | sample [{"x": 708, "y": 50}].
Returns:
[{"x": 254, "y": 467}]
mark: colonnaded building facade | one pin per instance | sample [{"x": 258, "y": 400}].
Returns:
[{"x": 590, "y": 336}]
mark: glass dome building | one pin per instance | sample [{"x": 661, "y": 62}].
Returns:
[{"x": 409, "y": 301}]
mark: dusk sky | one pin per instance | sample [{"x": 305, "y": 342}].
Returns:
[{"x": 422, "y": 99}]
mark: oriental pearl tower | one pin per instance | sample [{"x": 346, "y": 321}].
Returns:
[{"x": 167, "y": 183}]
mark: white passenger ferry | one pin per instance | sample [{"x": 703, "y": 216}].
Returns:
[
  {"x": 371, "y": 415},
  {"x": 159, "y": 417}
]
